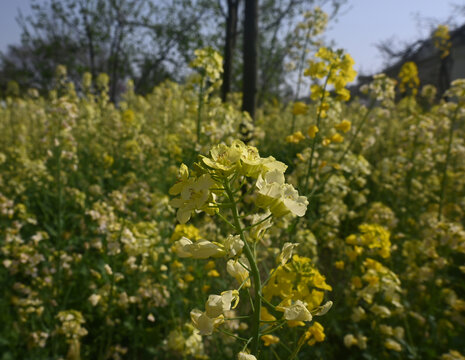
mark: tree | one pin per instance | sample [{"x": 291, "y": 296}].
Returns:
[
  {"x": 146, "y": 40},
  {"x": 229, "y": 46},
  {"x": 275, "y": 39},
  {"x": 249, "y": 81}
]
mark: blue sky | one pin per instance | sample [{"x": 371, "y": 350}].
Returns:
[
  {"x": 364, "y": 23},
  {"x": 361, "y": 25},
  {"x": 9, "y": 29}
]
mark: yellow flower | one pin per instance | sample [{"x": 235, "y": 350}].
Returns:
[
  {"x": 316, "y": 70},
  {"x": 128, "y": 117},
  {"x": 213, "y": 273},
  {"x": 317, "y": 92},
  {"x": 392, "y": 345},
  {"x": 409, "y": 77},
  {"x": 108, "y": 160},
  {"x": 265, "y": 315},
  {"x": 343, "y": 126},
  {"x": 326, "y": 142},
  {"x": 209, "y": 265},
  {"x": 295, "y": 138},
  {"x": 315, "y": 333},
  {"x": 177, "y": 265},
  {"x": 442, "y": 40},
  {"x": 269, "y": 339},
  {"x": 299, "y": 108},
  {"x": 356, "y": 282},
  {"x": 187, "y": 230},
  {"x": 312, "y": 130},
  {"x": 188, "y": 278},
  {"x": 294, "y": 323},
  {"x": 344, "y": 94},
  {"x": 337, "y": 138}
]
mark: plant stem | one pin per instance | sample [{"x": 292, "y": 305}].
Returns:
[
  {"x": 339, "y": 161},
  {"x": 299, "y": 79},
  {"x": 359, "y": 128},
  {"x": 199, "y": 111},
  {"x": 446, "y": 165},
  {"x": 318, "y": 118},
  {"x": 257, "y": 302}
]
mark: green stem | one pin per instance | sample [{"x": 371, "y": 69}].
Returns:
[
  {"x": 274, "y": 328},
  {"x": 225, "y": 220},
  {"x": 257, "y": 302},
  {"x": 346, "y": 151},
  {"x": 299, "y": 80},
  {"x": 446, "y": 165},
  {"x": 357, "y": 132},
  {"x": 199, "y": 111},
  {"x": 318, "y": 118},
  {"x": 231, "y": 334},
  {"x": 258, "y": 223}
]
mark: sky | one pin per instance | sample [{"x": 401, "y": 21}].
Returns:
[
  {"x": 364, "y": 23},
  {"x": 359, "y": 27}
]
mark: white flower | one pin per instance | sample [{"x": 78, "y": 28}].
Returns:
[
  {"x": 278, "y": 197},
  {"x": 237, "y": 271},
  {"x": 253, "y": 165},
  {"x": 201, "y": 249},
  {"x": 181, "y": 247},
  {"x": 381, "y": 310},
  {"x": 350, "y": 340},
  {"x": 223, "y": 158},
  {"x": 193, "y": 193},
  {"x": 203, "y": 323},
  {"x": 286, "y": 252},
  {"x": 94, "y": 299},
  {"x": 322, "y": 310},
  {"x": 216, "y": 305},
  {"x": 259, "y": 230},
  {"x": 244, "y": 356},
  {"x": 297, "y": 312},
  {"x": 233, "y": 245}
]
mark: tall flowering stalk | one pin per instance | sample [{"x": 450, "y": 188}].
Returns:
[
  {"x": 336, "y": 68},
  {"x": 216, "y": 187},
  {"x": 209, "y": 66},
  {"x": 456, "y": 91},
  {"x": 314, "y": 24}
]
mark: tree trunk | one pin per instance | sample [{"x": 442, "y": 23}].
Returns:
[
  {"x": 229, "y": 46},
  {"x": 249, "y": 82}
]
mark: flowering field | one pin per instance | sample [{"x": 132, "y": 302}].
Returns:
[{"x": 149, "y": 229}]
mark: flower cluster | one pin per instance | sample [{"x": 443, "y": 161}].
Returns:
[
  {"x": 441, "y": 38},
  {"x": 409, "y": 81},
  {"x": 211, "y": 188},
  {"x": 336, "y": 68}
]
